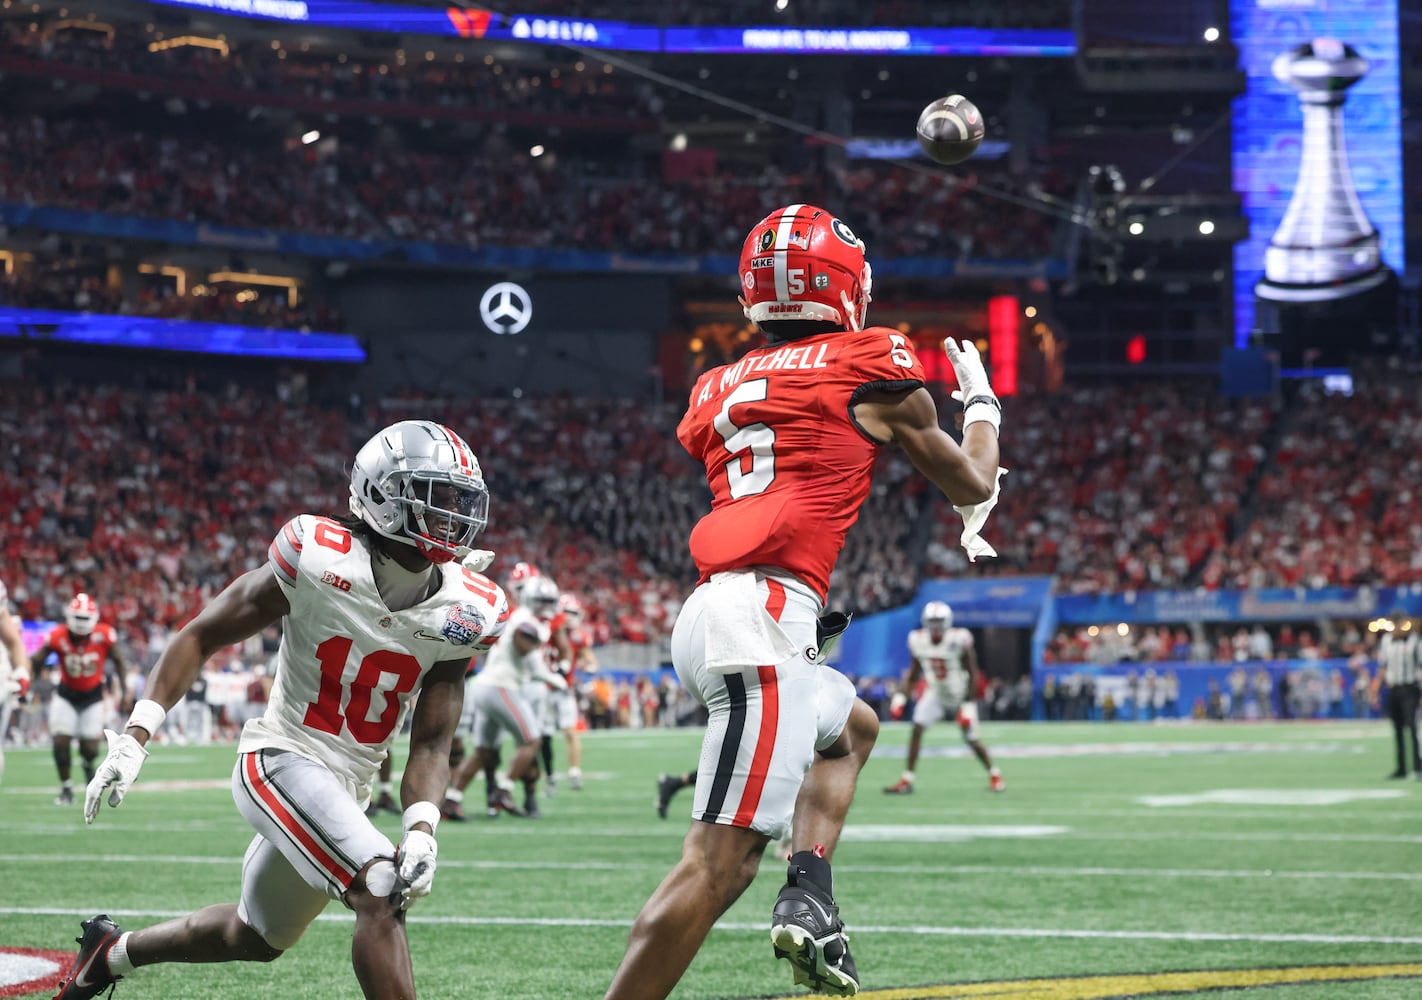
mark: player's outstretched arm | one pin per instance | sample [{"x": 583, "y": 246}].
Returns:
[
  {"x": 427, "y": 775},
  {"x": 37, "y": 661},
  {"x": 14, "y": 642},
  {"x": 432, "y": 725},
  {"x": 249, "y": 604},
  {"x": 966, "y": 475}
]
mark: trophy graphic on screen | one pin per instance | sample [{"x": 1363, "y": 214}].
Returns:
[{"x": 1325, "y": 248}]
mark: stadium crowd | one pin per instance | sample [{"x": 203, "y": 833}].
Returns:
[
  {"x": 394, "y": 77},
  {"x": 1341, "y": 502},
  {"x": 85, "y": 291},
  {"x": 366, "y": 190},
  {"x": 1117, "y": 487}
]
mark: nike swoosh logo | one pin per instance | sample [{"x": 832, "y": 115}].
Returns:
[
  {"x": 422, "y": 634},
  {"x": 81, "y": 979}
]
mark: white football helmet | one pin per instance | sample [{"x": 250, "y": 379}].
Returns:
[
  {"x": 540, "y": 595},
  {"x": 572, "y": 608},
  {"x": 81, "y": 615},
  {"x": 417, "y": 482},
  {"x": 937, "y": 616}
]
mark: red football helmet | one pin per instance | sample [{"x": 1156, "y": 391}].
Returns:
[
  {"x": 801, "y": 263},
  {"x": 82, "y": 615}
]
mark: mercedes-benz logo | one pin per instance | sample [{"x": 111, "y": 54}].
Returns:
[{"x": 506, "y": 308}]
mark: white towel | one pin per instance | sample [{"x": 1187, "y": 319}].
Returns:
[
  {"x": 975, "y": 519},
  {"x": 738, "y": 631}
]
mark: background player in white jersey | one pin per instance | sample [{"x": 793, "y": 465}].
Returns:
[
  {"x": 498, "y": 695},
  {"x": 14, "y": 667},
  {"x": 944, "y": 656},
  {"x": 374, "y": 610}
]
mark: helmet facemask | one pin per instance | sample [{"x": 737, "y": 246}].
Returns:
[
  {"x": 441, "y": 518},
  {"x": 81, "y": 616}
]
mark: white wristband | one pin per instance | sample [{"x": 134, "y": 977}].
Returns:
[
  {"x": 421, "y": 812},
  {"x": 983, "y": 413},
  {"x": 147, "y": 715}
]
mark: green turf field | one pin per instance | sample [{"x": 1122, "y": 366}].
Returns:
[{"x": 1115, "y": 849}]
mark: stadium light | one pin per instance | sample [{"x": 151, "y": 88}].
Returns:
[
  {"x": 1212, "y": 34},
  {"x": 537, "y": 150},
  {"x": 678, "y": 142},
  {"x": 781, "y": 4},
  {"x": 308, "y": 138},
  {"x": 1136, "y": 228},
  {"x": 1123, "y": 630},
  {"x": 1206, "y": 227}
]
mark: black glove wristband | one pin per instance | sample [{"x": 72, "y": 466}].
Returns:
[{"x": 983, "y": 399}]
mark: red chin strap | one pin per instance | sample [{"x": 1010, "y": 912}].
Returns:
[{"x": 433, "y": 553}]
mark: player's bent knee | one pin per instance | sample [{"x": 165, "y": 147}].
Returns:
[
  {"x": 373, "y": 891},
  {"x": 253, "y": 946}
]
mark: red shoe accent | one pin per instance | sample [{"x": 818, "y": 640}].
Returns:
[{"x": 995, "y": 782}]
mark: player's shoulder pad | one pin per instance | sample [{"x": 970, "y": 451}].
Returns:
[
  {"x": 475, "y": 611},
  {"x": 284, "y": 554},
  {"x": 882, "y": 354}
]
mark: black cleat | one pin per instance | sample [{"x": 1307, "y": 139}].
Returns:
[
  {"x": 450, "y": 810},
  {"x": 89, "y": 975},
  {"x": 1391, "y": 777},
  {"x": 530, "y": 808},
  {"x": 805, "y": 929},
  {"x": 667, "y": 786},
  {"x": 65, "y": 797},
  {"x": 387, "y": 803},
  {"x": 503, "y": 801}
]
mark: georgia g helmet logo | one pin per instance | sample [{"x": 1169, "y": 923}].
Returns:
[{"x": 506, "y": 308}]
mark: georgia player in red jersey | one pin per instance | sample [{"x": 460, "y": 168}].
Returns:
[
  {"x": 789, "y": 435},
  {"x": 82, "y": 645}
]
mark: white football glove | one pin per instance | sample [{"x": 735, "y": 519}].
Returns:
[
  {"x": 974, "y": 390},
  {"x": 119, "y": 769},
  {"x": 415, "y": 863},
  {"x": 897, "y": 703}
]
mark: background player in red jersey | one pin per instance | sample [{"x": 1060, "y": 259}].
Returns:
[
  {"x": 83, "y": 644},
  {"x": 561, "y": 714},
  {"x": 789, "y": 435}
]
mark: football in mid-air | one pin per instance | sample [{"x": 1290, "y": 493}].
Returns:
[{"x": 950, "y": 129}]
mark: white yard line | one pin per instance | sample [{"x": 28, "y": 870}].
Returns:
[
  {"x": 916, "y": 930},
  {"x": 1050, "y": 871}
]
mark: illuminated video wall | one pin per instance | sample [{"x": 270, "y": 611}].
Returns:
[{"x": 1268, "y": 125}]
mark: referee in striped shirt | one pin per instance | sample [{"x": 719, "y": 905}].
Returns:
[{"x": 1400, "y": 656}]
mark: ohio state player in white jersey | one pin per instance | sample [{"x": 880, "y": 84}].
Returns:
[
  {"x": 375, "y": 608},
  {"x": 944, "y": 656},
  {"x": 498, "y": 694},
  {"x": 14, "y": 667}
]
